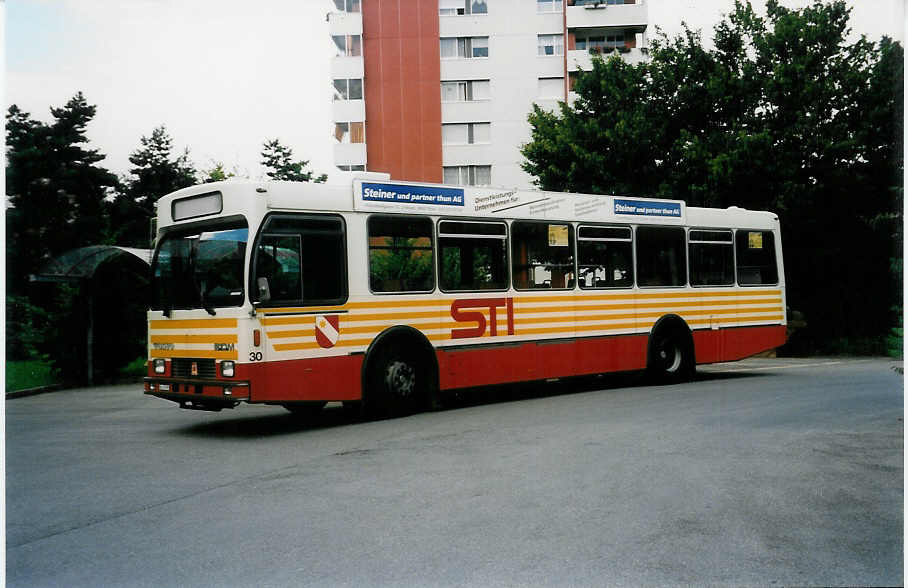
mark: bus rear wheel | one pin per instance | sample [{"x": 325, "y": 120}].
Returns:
[{"x": 671, "y": 356}]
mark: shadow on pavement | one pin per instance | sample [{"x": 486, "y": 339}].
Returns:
[{"x": 256, "y": 426}]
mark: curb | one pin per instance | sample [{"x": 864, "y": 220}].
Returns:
[{"x": 33, "y": 391}]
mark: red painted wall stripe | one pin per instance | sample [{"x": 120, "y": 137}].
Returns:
[{"x": 402, "y": 86}]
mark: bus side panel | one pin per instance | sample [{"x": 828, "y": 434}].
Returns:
[
  {"x": 743, "y": 342},
  {"x": 737, "y": 343},
  {"x": 486, "y": 366},
  {"x": 611, "y": 354},
  {"x": 708, "y": 345},
  {"x": 300, "y": 380},
  {"x": 465, "y": 368}
]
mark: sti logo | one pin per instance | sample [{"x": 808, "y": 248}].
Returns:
[{"x": 459, "y": 314}]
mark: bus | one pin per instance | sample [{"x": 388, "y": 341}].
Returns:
[{"x": 388, "y": 295}]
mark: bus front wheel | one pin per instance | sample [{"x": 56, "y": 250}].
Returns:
[{"x": 397, "y": 383}]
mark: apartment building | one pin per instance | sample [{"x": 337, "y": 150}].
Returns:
[{"x": 440, "y": 90}]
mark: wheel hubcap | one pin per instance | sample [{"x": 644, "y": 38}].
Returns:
[
  {"x": 671, "y": 357},
  {"x": 400, "y": 378}
]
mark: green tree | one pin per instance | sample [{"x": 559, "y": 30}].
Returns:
[
  {"x": 156, "y": 172},
  {"x": 278, "y": 160},
  {"x": 218, "y": 173},
  {"x": 783, "y": 114},
  {"x": 55, "y": 186}
]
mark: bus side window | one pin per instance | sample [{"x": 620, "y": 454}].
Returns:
[
  {"x": 278, "y": 260},
  {"x": 542, "y": 255},
  {"x": 711, "y": 258},
  {"x": 472, "y": 255},
  {"x": 400, "y": 254},
  {"x": 660, "y": 256},
  {"x": 604, "y": 257},
  {"x": 304, "y": 259},
  {"x": 756, "y": 255}
]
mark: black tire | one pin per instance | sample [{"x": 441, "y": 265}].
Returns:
[
  {"x": 671, "y": 356},
  {"x": 305, "y": 410},
  {"x": 397, "y": 382}
]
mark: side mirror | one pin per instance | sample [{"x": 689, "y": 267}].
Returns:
[{"x": 264, "y": 290}]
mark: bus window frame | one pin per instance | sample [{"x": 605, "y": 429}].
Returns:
[
  {"x": 630, "y": 240},
  {"x": 191, "y": 226},
  {"x": 432, "y": 235},
  {"x": 473, "y": 220},
  {"x": 573, "y": 234},
  {"x": 260, "y": 233},
  {"x": 683, "y": 228},
  {"x": 775, "y": 255},
  {"x": 734, "y": 255}
]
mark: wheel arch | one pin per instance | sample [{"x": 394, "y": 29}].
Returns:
[
  {"x": 395, "y": 335},
  {"x": 670, "y": 323}
]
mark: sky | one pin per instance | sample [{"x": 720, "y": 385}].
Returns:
[{"x": 225, "y": 75}]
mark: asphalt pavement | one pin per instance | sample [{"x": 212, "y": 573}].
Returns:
[{"x": 766, "y": 471}]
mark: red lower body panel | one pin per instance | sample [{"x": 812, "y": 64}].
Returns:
[
  {"x": 732, "y": 344},
  {"x": 340, "y": 378},
  {"x": 300, "y": 380}
]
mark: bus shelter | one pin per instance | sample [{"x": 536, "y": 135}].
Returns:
[{"x": 80, "y": 267}]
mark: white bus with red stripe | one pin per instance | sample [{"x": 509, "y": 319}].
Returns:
[{"x": 389, "y": 294}]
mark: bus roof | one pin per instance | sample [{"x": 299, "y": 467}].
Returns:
[{"x": 376, "y": 192}]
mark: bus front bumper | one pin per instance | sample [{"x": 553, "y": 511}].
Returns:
[{"x": 199, "y": 394}]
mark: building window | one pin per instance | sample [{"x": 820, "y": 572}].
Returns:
[
  {"x": 464, "y": 47},
  {"x": 348, "y": 45},
  {"x": 550, "y": 44},
  {"x": 468, "y": 175},
  {"x": 543, "y": 6},
  {"x": 712, "y": 258},
  {"x": 598, "y": 44},
  {"x": 542, "y": 255},
  {"x": 350, "y": 132},
  {"x": 551, "y": 88},
  {"x": 351, "y": 89},
  {"x": 460, "y": 7},
  {"x": 465, "y": 91},
  {"x": 400, "y": 254},
  {"x": 465, "y": 133},
  {"x": 472, "y": 256},
  {"x": 605, "y": 258},
  {"x": 347, "y": 5},
  {"x": 351, "y": 167}
]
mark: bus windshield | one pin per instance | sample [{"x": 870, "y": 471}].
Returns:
[{"x": 200, "y": 268}]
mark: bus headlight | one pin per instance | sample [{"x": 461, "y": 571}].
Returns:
[
  {"x": 227, "y": 369},
  {"x": 159, "y": 366}
]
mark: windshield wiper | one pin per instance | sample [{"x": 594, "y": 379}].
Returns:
[
  {"x": 209, "y": 309},
  {"x": 193, "y": 259}
]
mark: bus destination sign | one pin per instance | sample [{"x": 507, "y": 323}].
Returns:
[
  {"x": 648, "y": 208},
  {"x": 405, "y": 194}
]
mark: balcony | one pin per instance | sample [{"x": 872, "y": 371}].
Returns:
[
  {"x": 607, "y": 15},
  {"x": 345, "y": 23},
  {"x": 343, "y": 110},
  {"x": 583, "y": 59},
  {"x": 349, "y": 154},
  {"x": 346, "y": 67}
]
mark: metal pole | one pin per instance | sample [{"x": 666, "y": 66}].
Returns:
[{"x": 90, "y": 338}]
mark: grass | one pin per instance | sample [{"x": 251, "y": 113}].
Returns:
[
  {"x": 137, "y": 368},
  {"x": 22, "y": 375}
]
